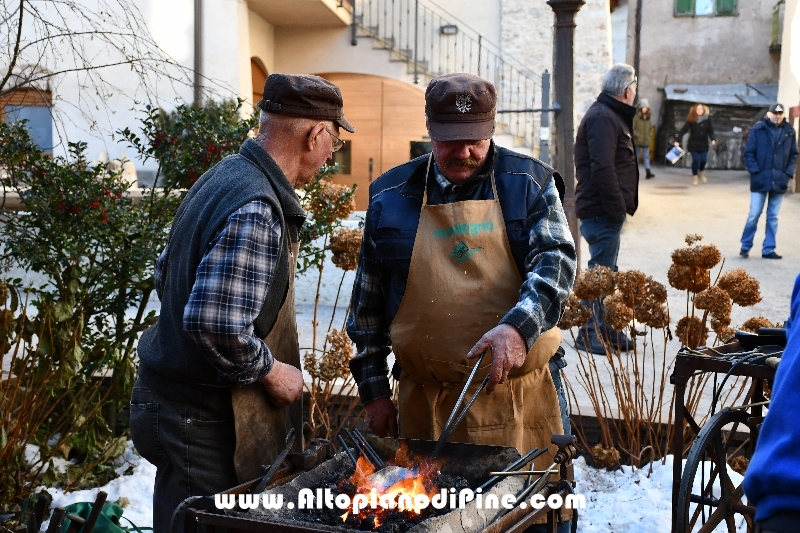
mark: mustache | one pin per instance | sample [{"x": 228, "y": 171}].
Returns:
[{"x": 469, "y": 162}]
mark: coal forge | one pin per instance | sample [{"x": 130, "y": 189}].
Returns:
[{"x": 413, "y": 491}]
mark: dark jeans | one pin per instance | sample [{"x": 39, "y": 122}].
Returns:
[
  {"x": 191, "y": 445},
  {"x": 602, "y": 234},
  {"x": 699, "y": 160}
]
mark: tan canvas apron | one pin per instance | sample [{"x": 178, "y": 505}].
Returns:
[
  {"x": 461, "y": 281},
  {"x": 261, "y": 427}
]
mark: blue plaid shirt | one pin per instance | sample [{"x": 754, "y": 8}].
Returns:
[{"x": 230, "y": 288}]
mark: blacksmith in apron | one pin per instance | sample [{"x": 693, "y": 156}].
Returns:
[
  {"x": 465, "y": 250},
  {"x": 213, "y": 400}
]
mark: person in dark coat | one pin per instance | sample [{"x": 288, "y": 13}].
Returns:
[
  {"x": 607, "y": 188},
  {"x": 770, "y": 157},
  {"x": 698, "y": 125}
]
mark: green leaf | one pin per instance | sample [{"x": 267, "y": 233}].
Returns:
[{"x": 63, "y": 310}]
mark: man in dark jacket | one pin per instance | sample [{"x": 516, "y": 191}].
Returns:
[
  {"x": 607, "y": 189},
  {"x": 223, "y": 279},
  {"x": 770, "y": 157}
]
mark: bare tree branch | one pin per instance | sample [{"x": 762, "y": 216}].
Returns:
[{"x": 15, "y": 54}]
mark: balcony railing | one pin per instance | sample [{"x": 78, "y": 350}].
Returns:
[{"x": 433, "y": 42}]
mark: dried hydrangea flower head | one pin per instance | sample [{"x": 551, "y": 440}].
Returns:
[
  {"x": 345, "y": 246},
  {"x": 714, "y": 300},
  {"x": 753, "y": 324},
  {"x": 703, "y": 256},
  {"x": 692, "y": 238},
  {"x": 632, "y": 285},
  {"x": 687, "y": 278},
  {"x": 618, "y": 315},
  {"x": 691, "y": 331},
  {"x": 336, "y": 359},
  {"x": 575, "y": 313},
  {"x": 743, "y": 289},
  {"x": 330, "y": 195},
  {"x": 595, "y": 283},
  {"x": 311, "y": 365},
  {"x": 652, "y": 314}
]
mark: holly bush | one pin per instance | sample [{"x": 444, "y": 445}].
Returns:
[{"x": 69, "y": 343}]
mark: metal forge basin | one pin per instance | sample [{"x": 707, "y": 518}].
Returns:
[{"x": 470, "y": 461}]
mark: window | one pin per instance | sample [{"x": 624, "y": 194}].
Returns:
[
  {"x": 33, "y": 106},
  {"x": 342, "y": 158},
  {"x": 705, "y": 8}
]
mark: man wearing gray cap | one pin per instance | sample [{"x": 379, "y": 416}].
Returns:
[
  {"x": 223, "y": 280},
  {"x": 770, "y": 157},
  {"x": 465, "y": 251}
]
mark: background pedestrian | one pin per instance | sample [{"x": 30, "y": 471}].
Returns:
[
  {"x": 643, "y": 135},
  {"x": 698, "y": 125},
  {"x": 770, "y": 157}
]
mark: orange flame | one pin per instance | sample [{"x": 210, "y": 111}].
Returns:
[{"x": 418, "y": 480}]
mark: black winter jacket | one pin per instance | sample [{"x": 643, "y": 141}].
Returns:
[
  {"x": 699, "y": 134},
  {"x": 605, "y": 161}
]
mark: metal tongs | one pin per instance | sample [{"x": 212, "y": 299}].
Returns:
[{"x": 455, "y": 417}]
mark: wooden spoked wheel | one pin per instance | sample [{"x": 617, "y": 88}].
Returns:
[{"x": 719, "y": 498}]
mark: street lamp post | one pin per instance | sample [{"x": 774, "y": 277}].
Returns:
[{"x": 564, "y": 81}]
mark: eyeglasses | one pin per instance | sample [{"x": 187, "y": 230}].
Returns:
[
  {"x": 338, "y": 144},
  {"x": 634, "y": 82}
]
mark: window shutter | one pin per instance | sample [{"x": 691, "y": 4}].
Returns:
[
  {"x": 684, "y": 7},
  {"x": 726, "y": 7}
]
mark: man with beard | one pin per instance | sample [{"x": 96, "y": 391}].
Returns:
[{"x": 465, "y": 251}]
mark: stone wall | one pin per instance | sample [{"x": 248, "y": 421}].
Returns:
[
  {"x": 701, "y": 50},
  {"x": 527, "y": 34}
]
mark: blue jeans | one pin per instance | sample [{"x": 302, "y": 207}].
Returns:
[
  {"x": 699, "y": 160},
  {"x": 191, "y": 445},
  {"x": 646, "y": 151},
  {"x": 757, "y": 200},
  {"x": 602, "y": 234}
]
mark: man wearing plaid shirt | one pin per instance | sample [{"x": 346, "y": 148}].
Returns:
[
  {"x": 222, "y": 280},
  {"x": 466, "y": 251}
]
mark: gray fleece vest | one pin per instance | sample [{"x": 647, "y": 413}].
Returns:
[{"x": 171, "y": 363}]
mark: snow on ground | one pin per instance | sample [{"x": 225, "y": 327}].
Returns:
[
  {"x": 622, "y": 501},
  {"x": 136, "y": 486}
]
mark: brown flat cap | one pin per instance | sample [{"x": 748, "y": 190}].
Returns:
[
  {"x": 460, "y": 107},
  {"x": 304, "y": 96}
]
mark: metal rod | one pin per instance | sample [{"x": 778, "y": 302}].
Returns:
[
  {"x": 464, "y": 392},
  {"x": 525, "y": 459},
  {"x": 464, "y": 411},
  {"x": 522, "y": 472},
  {"x": 358, "y": 447},
  {"x": 369, "y": 449},
  {"x": 198, "y": 52},
  {"x": 537, "y": 110},
  {"x": 346, "y": 449}
]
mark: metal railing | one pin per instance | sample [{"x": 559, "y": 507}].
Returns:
[{"x": 433, "y": 42}]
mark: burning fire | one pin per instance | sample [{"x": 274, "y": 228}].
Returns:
[{"x": 397, "y": 483}]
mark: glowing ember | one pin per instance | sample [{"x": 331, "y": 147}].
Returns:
[{"x": 395, "y": 487}]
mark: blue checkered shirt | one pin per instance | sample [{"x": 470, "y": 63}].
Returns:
[{"x": 230, "y": 288}]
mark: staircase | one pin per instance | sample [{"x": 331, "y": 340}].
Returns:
[{"x": 432, "y": 42}]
